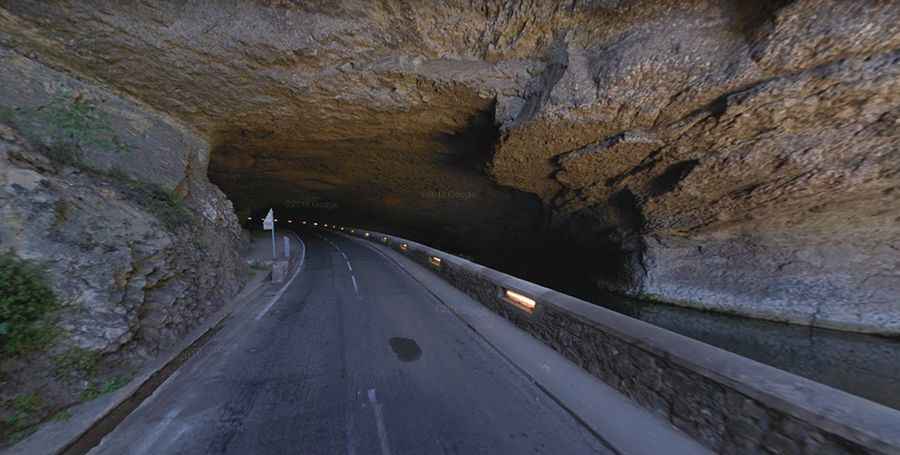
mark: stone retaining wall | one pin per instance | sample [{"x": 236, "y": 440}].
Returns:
[{"x": 731, "y": 404}]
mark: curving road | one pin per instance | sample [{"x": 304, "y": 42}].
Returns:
[{"x": 355, "y": 357}]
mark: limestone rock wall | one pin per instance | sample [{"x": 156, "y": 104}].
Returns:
[
  {"x": 744, "y": 186},
  {"x": 738, "y": 158},
  {"x": 112, "y": 199},
  {"x": 778, "y": 201},
  {"x": 731, "y": 155}
]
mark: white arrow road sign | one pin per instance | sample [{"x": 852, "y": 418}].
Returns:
[
  {"x": 269, "y": 225},
  {"x": 269, "y": 222}
]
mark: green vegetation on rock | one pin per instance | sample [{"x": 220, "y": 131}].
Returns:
[
  {"x": 25, "y": 302},
  {"x": 20, "y": 422},
  {"x": 62, "y": 416},
  {"x": 66, "y": 125},
  {"x": 6, "y": 114},
  {"x": 77, "y": 361},
  {"x": 28, "y": 403},
  {"x": 167, "y": 206},
  {"x": 96, "y": 389}
]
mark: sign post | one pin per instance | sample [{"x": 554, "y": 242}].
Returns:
[{"x": 269, "y": 225}]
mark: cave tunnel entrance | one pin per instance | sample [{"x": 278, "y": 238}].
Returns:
[
  {"x": 423, "y": 176},
  {"x": 428, "y": 183}
]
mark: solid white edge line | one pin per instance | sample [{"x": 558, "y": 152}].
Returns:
[{"x": 284, "y": 288}]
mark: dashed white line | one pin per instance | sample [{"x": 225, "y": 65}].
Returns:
[
  {"x": 339, "y": 250},
  {"x": 352, "y": 277},
  {"x": 288, "y": 284},
  {"x": 379, "y": 423}
]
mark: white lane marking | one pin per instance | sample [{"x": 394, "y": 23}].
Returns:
[
  {"x": 353, "y": 277},
  {"x": 284, "y": 288},
  {"x": 339, "y": 250},
  {"x": 379, "y": 422},
  {"x": 348, "y": 435},
  {"x": 156, "y": 432},
  {"x": 373, "y": 248}
]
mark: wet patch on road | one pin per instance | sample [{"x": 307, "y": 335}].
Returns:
[{"x": 407, "y": 349}]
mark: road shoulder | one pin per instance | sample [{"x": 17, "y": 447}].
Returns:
[{"x": 93, "y": 419}]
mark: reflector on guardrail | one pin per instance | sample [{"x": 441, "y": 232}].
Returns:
[
  {"x": 367, "y": 234},
  {"x": 435, "y": 261},
  {"x": 404, "y": 247},
  {"x": 521, "y": 301}
]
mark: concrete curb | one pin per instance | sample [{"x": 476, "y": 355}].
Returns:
[
  {"x": 65, "y": 437},
  {"x": 59, "y": 437}
]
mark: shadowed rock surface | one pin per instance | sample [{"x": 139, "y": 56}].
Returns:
[
  {"x": 112, "y": 200},
  {"x": 716, "y": 154}
]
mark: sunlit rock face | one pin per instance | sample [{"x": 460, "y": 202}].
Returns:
[{"x": 738, "y": 156}]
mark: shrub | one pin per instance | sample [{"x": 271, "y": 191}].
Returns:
[
  {"x": 20, "y": 422},
  {"x": 28, "y": 403},
  {"x": 62, "y": 416},
  {"x": 167, "y": 206},
  {"x": 97, "y": 389},
  {"x": 77, "y": 361},
  {"x": 64, "y": 153},
  {"x": 25, "y": 301}
]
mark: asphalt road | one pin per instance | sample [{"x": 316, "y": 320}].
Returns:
[{"x": 355, "y": 357}]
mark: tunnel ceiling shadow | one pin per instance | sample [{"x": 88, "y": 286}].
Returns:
[{"x": 420, "y": 172}]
